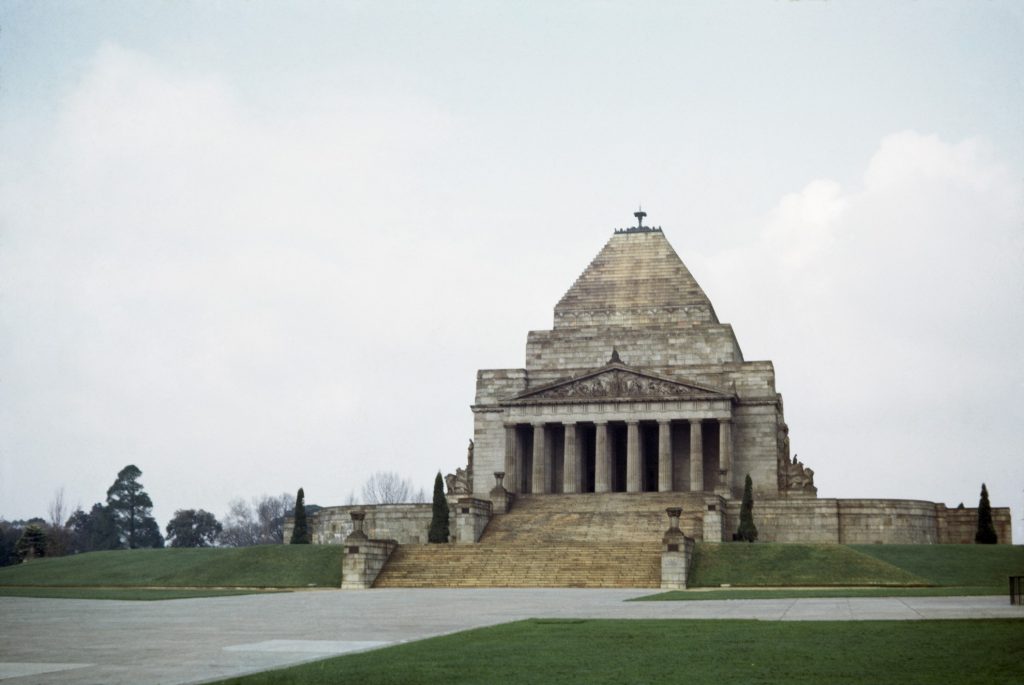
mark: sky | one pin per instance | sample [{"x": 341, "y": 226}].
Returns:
[{"x": 253, "y": 246}]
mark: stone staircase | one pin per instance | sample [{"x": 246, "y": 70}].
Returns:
[{"x": 586, "y": 540}]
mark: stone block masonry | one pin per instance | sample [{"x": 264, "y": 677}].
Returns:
[{"x": 866, "y": 521}]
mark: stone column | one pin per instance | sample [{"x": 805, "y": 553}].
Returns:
[
  {"x": 602, "y": 459},
  {"x": 572, "y": 471},
  {"x": 511, "y": 457},
  {"x": 725, "y": 456},
  {"x": 540, "y": 456},
  {"x": 634, "y": 473},
  {"x": 664, "y": 456},
  {"x": 696, "y": 457}
]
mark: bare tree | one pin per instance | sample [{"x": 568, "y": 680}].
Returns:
[
  {"x": 270, "y": 513},
  {"x": 57, "y": 509},
  {"x": 240, "y": 526},
  {"x": 387, "y": 487},
  {"x": 58, "y": 538},
  {"x": 259, "y": 522}
]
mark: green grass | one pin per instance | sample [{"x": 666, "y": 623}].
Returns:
[
  {"x": 953, "y": 565},
  {"x": 278, "y": 566},
  {"x": 121, "y": 593},
  {"x": 772, "y": 564},
  {"x": 618, "y": 652}
]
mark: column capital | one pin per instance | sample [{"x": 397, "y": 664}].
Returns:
[
  {"x": 693, "y": 421},
  {"x": 725, "y": 419},
  {"x": 569, "y": 423},
  {"x": 664, "y": 421},
  {"x": 600, "y": 423},
  {"x": 632, "y": 422},
  {"x": 538, "y": 424}
]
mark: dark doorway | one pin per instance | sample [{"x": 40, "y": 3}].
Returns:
[
  {"x": 587, "y": 439},
  {"x": 524, "y": 436},
  {"x": 649, "y": 457},
  {"x": 617, "y": 439}
]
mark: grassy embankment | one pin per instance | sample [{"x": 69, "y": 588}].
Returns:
[
  {"x": 614, "y": 652},
  {"x": 860, "y": 570},
  {"x": 175, "y": 573}
]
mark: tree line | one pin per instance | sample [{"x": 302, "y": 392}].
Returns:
[{"x": 124, "y": 520}]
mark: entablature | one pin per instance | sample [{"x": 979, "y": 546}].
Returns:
[{"x": 615, "y": 383}]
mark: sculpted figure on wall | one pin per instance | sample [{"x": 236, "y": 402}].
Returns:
[
  {"x": 617, "y": 384},
  {"x": 800, "y": 479},
  {"x": 461, "y": 482},
  {"x": 782, "y": 450}
]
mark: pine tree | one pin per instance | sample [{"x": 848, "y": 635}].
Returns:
[
  {"x": 32, "y": 543},
  {"x": 439, "y": 530},
  {"x": 986, "y": 534},
  {"x": 747, "y": 530},
  {"x": 131, "y": 509},
  {"x": 300, "y": 532}
]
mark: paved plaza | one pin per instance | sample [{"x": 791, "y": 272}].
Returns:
[{"x": 198, "y": 640}]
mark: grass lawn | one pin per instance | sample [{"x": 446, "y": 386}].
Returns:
[
  {"x": 951, "y": 565},
  {"x": 776, "y": 564},
  {"x": 946, "y": 570},
  {"x": 144, "y": 594},
  {"x": 616, "y": 652},
  {"x": 275, "y": 566}
]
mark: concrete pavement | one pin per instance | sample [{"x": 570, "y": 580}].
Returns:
[{"x": 197, "y": 640}]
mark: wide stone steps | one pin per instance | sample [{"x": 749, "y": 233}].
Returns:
[
  {"x": 596, "y": 518},
  {"x": 585, "y": 540},
  {"x": 487, "y": 565}
]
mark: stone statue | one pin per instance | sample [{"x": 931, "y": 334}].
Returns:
[
  {"x": 461, "y": 482},
  {"x": 800, "y": 479},
  {"x": 458, "y": 483}
]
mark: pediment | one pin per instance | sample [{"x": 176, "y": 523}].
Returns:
[{"x": 617, "y": 382}]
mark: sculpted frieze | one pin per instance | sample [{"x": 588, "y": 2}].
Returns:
[{"x": 617, "y": 384}]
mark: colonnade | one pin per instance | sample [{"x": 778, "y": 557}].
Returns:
[{"x": 536, "y": 472}]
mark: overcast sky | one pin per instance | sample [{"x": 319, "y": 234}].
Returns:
[{"x": 252, "y": 246}]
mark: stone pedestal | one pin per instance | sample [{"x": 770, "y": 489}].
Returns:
[
  {"x": 676, "y": 554},
  {"x": 501, "y": 499},
  {"x": 471, "y": 517},
  {"x": 364, "y": 558},
  {"x": 714, "y": 519}
]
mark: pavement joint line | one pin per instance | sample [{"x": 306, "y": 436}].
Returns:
[{"x": 917, "y": 613}]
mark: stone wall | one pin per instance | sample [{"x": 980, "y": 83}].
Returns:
[
  {"x": 866, "y": 521},
  {"x": 404, "y": 523},
  {"x": 958, "y": 526}
]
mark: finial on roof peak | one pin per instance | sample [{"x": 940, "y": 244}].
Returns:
[
  {"x": 640, "y": 214},
  {"x": 639, "y": 228},
  {"x": 615, "y": 357}
]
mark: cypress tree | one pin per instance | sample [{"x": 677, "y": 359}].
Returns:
[
  {"x": 439, "y": 531},
  {"x": 747, "y": 530},
  {"x": 986, "y": 534},
  {"x": 300, "y": 532}
]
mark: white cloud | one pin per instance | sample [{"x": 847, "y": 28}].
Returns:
[{"x": 896, "y": 307}]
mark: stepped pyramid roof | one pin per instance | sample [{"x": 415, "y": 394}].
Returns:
[{"x": 636, "y": 277}]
